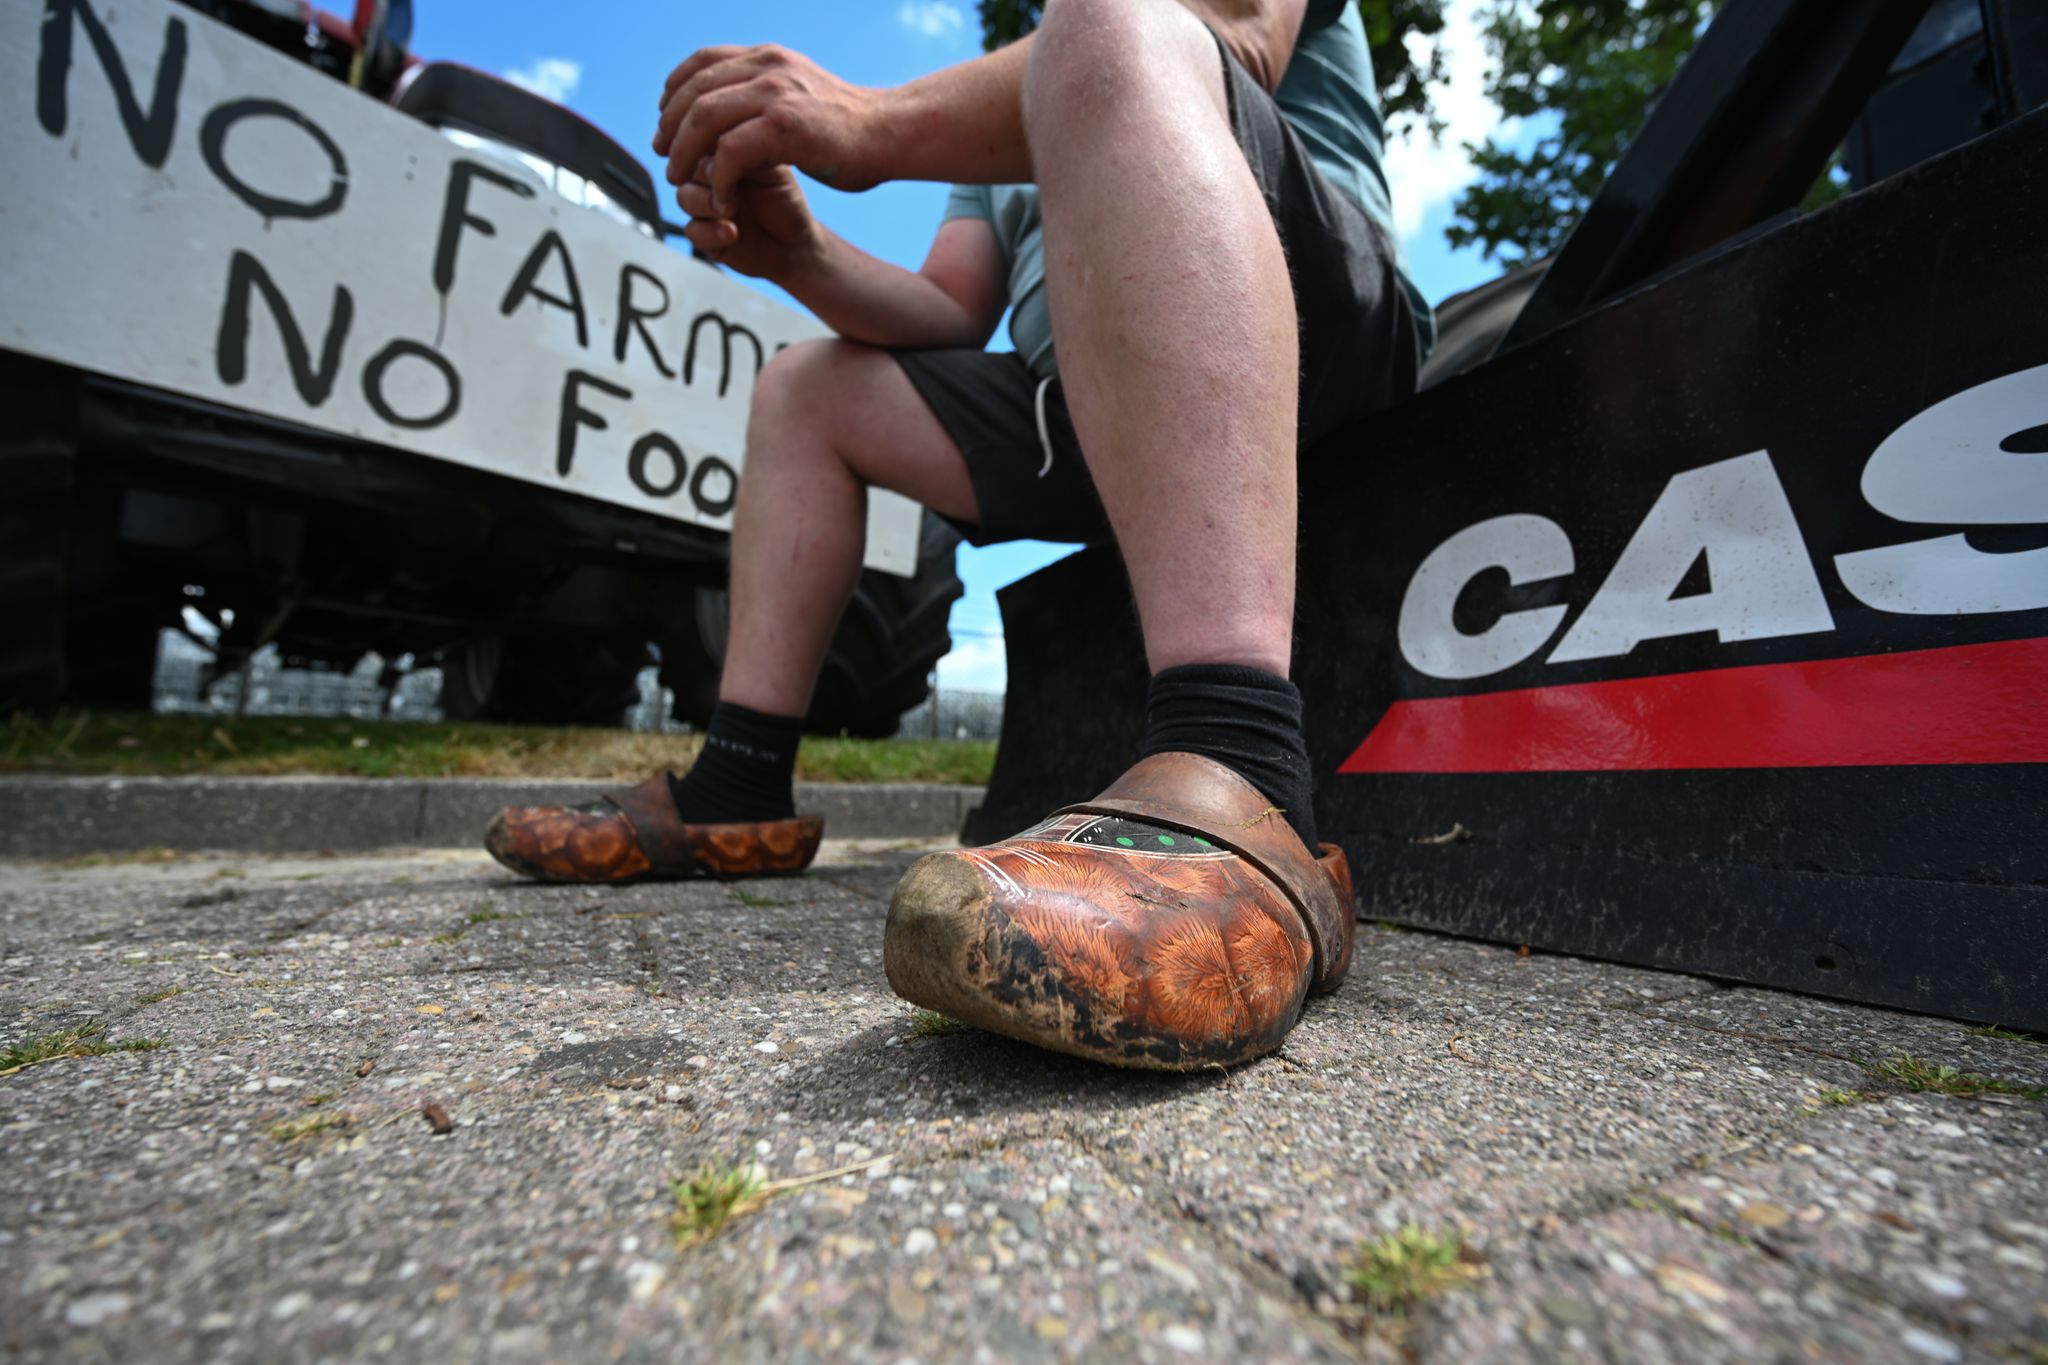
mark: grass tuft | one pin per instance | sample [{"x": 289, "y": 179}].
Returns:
[
  {"x": 261, "y": 746},
  {"x": 159, "y": 996},
  {"x": 1399, "y": 1271},
  {"x": 932, "y": 1024},
  {"x": 1910, "y": 1073},
  {"x": 718, "y": 1193},
  {"x": 1838, "y": 1097},
  {"x": 305, "y": 1126},
  {"x": 87, "y": 1040},
  {"x": 2005, "y": 1035},
  {"x": 155, "y": 853}
]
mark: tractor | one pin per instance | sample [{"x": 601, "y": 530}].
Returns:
[{"x": 254, "y": 251}]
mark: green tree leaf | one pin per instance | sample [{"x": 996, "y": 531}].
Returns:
[{"x": 1595, "y": 67}]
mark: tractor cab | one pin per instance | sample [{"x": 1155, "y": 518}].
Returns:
[
  {"x": 368, "y": 50},
  {"x": 568, "y": 154}
]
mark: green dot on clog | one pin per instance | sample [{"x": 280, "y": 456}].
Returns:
[
  {"x": 1203, "y": 842},
  {"x": 1127, "y": 843},
  {"x": 1167, "y": 840}
]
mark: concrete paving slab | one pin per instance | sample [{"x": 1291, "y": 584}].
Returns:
[{"x": 1641, "y": 1165}]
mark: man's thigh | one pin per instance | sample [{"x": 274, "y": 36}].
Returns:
[{"x": 1358, "y": 346}]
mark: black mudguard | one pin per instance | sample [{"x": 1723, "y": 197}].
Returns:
[{"x": 1858, "y": 809}]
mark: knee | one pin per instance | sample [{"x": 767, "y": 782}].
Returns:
[
  {"x": 786, "y": 399},
  {"x": 1091, "y": 54},
  {"x": 795, "y": 403}
]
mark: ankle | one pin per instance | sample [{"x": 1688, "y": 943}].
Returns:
[
  {"x": 1247, "y": 719},
  {"x": 745, "y": 771}
]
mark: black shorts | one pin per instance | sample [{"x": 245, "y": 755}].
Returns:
[{"x": 1358, "y": 347}]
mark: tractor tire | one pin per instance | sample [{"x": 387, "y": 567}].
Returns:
[
  {"x": 38, "y": 442},
  {"x": 110, "y": 647},
  {"x": 879, "y": 666},
  {"x": 529, "y": 682},
  {"x": 468, "y": 674}
]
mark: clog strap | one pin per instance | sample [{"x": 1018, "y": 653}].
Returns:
[
  {"x": 1198, "y": 795},
  {"x": 651, "y": 810}
]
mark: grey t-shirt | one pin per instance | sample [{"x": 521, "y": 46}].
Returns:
[{"x": 1327, "y": 97}]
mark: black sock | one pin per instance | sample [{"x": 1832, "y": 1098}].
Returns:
[
  {"x": 1244, "y": 718},
  {"x": 743, "y": 772}
]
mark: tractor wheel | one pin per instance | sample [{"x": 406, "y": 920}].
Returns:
[
  {"x": 879, "y": 666},
  {"x": 527, "y": 682},
  {"x": 467, "y": 676},
  {"x": 37, "y": 445},
  {"x": 110, "y": 646}
]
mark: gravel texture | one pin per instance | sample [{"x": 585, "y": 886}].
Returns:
[{"x": 1639, "y": 1165}]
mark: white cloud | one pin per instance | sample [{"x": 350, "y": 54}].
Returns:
[
  {"x": 1425, "y": 175},
  {"x": 975, "y": 665},
  {"x": 932, "y": 18},
  {"x": 554, "y": 78}
]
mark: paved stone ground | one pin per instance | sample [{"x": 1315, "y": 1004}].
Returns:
[{"x": 1640, "y": 1163}]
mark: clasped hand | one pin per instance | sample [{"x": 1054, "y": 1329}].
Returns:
[{"x": 733, "y": 121}]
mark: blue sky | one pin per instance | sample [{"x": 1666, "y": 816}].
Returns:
[{"x": 607, "y": 59}]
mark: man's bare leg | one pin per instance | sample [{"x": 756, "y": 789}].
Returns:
[
  {"x": 1174, "y": 321},
  {"x": 1175, "y": 324},
  {"x": 829, "y": 419}
]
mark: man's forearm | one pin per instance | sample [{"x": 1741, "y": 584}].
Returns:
[
  {"x": 870, "y": 300},
  {"x": 963, "y": 125}
]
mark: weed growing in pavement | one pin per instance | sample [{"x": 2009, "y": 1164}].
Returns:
[
  {"x": 389, "y": 943},
  {"x": 484, "y": 913},
  {"x": 753, "y": 901},
  {"x": 1910, "y": 1073},
  {"x": 932, "y": 1024},
  {"x": 87, "y": 1040},
  {"x": 158, "y": 997},
  {"x": 2005, "y": 1035},
  {"x": 718, "y": 1193},
  {"x": 1401, "y": 1270},
  {"x": 291, "y": 1130},
  {"x": 1838, "y": 1097}
]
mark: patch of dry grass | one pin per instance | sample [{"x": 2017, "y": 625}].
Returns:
[
  {"x": 87, "y": 1040},
  {"x": 280, "y": 746}
]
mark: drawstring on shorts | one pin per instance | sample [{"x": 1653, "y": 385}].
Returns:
[{"x": 1044, "y": 435}]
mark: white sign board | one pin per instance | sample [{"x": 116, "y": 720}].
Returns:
[{"x": 183, "y": 207}]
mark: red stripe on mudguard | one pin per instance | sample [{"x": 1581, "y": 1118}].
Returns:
[{"x": 1963, "y": 704}]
